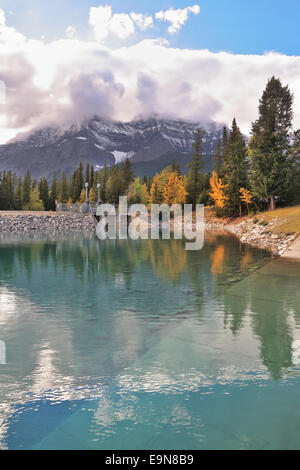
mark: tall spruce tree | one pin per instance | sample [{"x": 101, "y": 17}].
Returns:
[
  {"x": 64, "y": 189},
  {"x": 7, "y": 191},
  {"x": 196, "y": 167},
  {"x": 53, "y": 193},
  {"x": 44, "y": 192},
  {"x": 235, "y": 169},
  {"x": 175, "y": 167},
  {"x": 18, "y": 195},
  {"x": 115, "y": 185},
  {"x": 270, "y": 143},
  {"x": 295, "y": 164},
  {"x": 218, "y": 159},
  {"x": 103, "y": 181},
  {"x": 26, "y": 188},
  {"x": 87, "y": 174},
  {"x": 224, "y": 141},
  {"x": 127, "y": 176},
  {"x": 92, "y": 177},
  {"x": 77, "y": 183}
]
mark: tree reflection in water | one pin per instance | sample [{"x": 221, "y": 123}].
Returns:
[{"x": 225, "y": 271}]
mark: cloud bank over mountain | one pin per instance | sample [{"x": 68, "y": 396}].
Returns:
[{"x": 70, "y": 80}]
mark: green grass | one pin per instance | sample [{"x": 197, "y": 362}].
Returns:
[{"x": 288, "y": 219}]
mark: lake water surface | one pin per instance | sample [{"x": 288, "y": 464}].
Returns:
[{"x": 143, "y": 345}]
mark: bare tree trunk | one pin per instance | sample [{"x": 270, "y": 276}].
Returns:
[{"x": 272, "y": 203}]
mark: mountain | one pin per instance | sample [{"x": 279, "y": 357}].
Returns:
[{"x": 150, "y": 144}]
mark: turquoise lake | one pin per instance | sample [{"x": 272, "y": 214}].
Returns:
[{"x": 144, "y": 345}]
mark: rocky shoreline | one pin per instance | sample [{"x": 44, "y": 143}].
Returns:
[
  {"x": 254, "y": 233},
  {"x": 248, "y": 230},
  {"x": 25, "y": 223}
]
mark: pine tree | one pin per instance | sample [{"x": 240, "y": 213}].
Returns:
[
  {"x": 92, "y": 177},
  {"x": 235, "y": 169},
  {"x": 87, "y": 174},
  {"x": 175, "y": 167},
  {"x": 18, "y": 195},
  {"x": 104, "y": 178},
  {"x": 115, "y": 185},
  {"x": 53, "y": 193},
  {"x": 7, "y": 191},
  {"x": 26, "y": 188},
  {"x": 295, "y": 165},
  {"x": 77, "y": 183},
  {"x": 80, "y": 176},
  {"x": 64, "y": 192},
  {"x": 44, "y": 192},
  {"x": 270, "y": 144},
  {"x": 156, "y": 192},
  {"x": 127, "y": 175},
  {"x": 217, "y": 159},
  {"x": 196, "y": 167},
  {"x": 224, "y": 142}
]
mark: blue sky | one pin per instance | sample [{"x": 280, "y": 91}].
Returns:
[{"x": 238, "y": 26}]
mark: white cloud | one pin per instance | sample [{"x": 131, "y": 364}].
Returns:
[
  {"x": 66, "y": 81},
  {"x": 70, "y": 32},
  {"x": 99, "y": 20},
  {"x": 177, "y": 18},
  {"x": 142, "y": 21},
  {"x": 105, "y": 23},
  {"x": 121, "y": 25},
  {"x": 2, "y": 18}
]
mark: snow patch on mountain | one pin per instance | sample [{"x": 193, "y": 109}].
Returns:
[
  {"x": 44, "y": 150},
  {"x": 122, "y": 156}
]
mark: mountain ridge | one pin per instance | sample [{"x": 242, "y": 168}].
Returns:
[{"x": 97, "y": 141}]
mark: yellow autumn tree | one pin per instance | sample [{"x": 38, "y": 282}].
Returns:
[
  {"x": 156, "y": 196},
  {"x": 218, "y": 191},
  {"x": 93, "y": 196},
  {"x": 246, "y": 197},
  {"x": 82, "y": 196},
  {"x": 174, "y": 191}
]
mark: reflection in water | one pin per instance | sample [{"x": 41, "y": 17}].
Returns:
[
  {"x": 95, "y": 331},
  {"x": 218, "y": 260}
]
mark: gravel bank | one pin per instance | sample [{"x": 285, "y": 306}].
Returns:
[
  {"x": 255, "y": 234},
  {"x": 245, "y": 229},
  {"x": 46, "y": 223}
]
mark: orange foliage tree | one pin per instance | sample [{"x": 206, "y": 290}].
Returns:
[
  {"x": 246, "y": 197},
  {"x": 174, "y": 191},
  {"x": 218, "y": 191}
]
